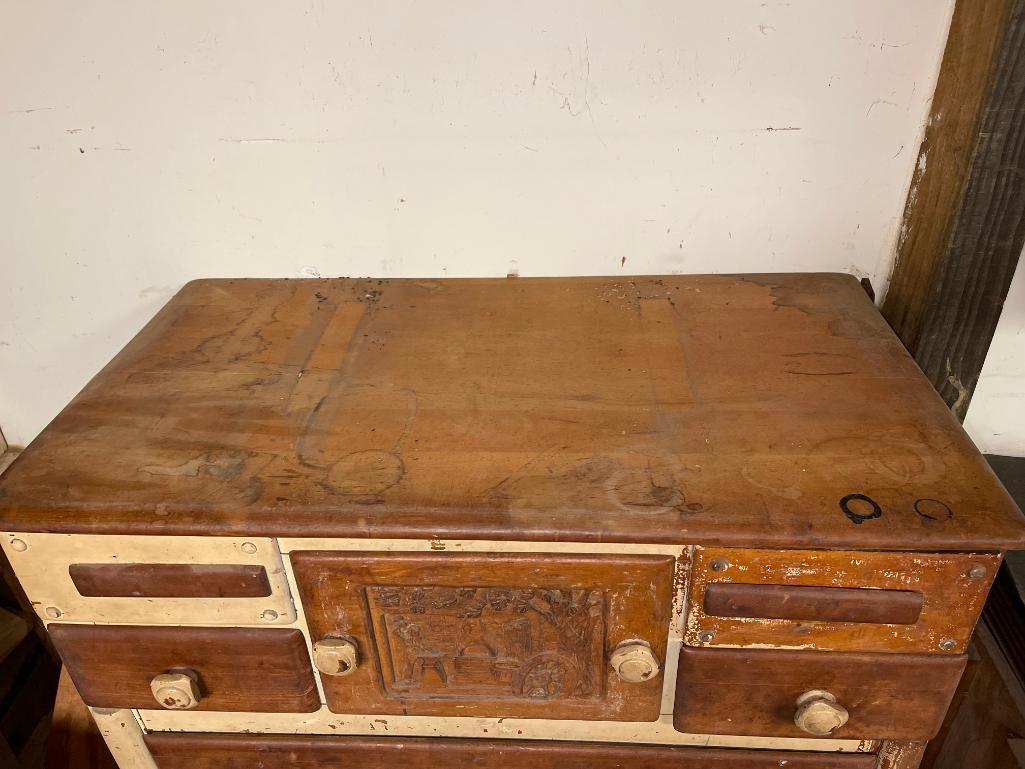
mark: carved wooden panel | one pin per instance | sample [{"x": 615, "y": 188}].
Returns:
[
  {"x": 952, "y": 586},
  {"x": 488, "y": 634},
  {"x": 499, "y": 642}
]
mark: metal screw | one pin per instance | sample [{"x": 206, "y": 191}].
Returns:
[
  {"x": 706, "y": 636},
  {"x": 978, "y": 571},
  {"x": 19, "y": 545},
  {"x": 52, "y": 612},
  {"x": 248, "y": 548},
  {"x": 269, "y": 615},
  {"x": 948, "y": 644},
  {"x": 719, "y": 564}
]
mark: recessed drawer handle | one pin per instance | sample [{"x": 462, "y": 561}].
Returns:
[
  {"x": 634, "y": 661},
  {"x": 335, "y": 656},
  {"x": 813, "y": 604},
  {"x": 818, "y": 713},
  {"x": 176, "y": 690}
]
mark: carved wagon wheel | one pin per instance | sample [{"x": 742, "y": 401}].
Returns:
[{"x": 546, "y": 676}]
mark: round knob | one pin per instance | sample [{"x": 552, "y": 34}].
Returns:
[
  {"x": 335, "y": 656},
  {"x": 175, "y": 691},
  {"x": 634, "y": 662},
  {"x": 819, "y": 713}
]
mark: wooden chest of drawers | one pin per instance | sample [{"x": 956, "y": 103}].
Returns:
[{"x": 716, "y": 521}]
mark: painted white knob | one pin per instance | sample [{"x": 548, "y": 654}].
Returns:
[
  {"x": 335, "y": 656},
  {"x": 634, "y": 662},
  {"x": 175, "y": 691},
  {"x": 819, "y": 713}
]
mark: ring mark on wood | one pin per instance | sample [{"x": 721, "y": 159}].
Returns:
[
  {"x": 366, "y": 472},
  {"x": 856, "y": 517},
  {"x": 933, "y": 510}
]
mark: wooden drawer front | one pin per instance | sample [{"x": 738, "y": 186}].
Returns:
[
  {"x": 489, "y": 634},
  {"x": 835, "y": 600},
  {"x": 218, "y": 751},
  {"x": 238, "y": 669},
  {"x": 754, "y": 692}
]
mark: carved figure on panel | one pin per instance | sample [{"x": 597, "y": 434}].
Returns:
[{"x": 536, "y": 644}]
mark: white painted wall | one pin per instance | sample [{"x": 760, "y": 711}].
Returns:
[
  {"x": 143, "y": 144},
  {"x": 996, "y": 415}
]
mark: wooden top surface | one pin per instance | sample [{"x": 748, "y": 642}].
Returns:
[{"x": 740, "y": 410}]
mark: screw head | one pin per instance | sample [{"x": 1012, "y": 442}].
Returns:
[
  {"x": 19, "y": 545},
  {"x": 269, "y": 615},
  {"x": 978, "y": 571},
  {"x": 948, "y": 644},
  {"x": 719, "y": 565},
  {"x": 53, "y": 612},
  {"x": 248, "y": 548},
  {"x": 706, "y": 636}
]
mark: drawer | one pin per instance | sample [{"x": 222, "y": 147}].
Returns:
[
  {"x": 836, "y": 600},
  {"x": 216, "y": 751},
  {"x": 514, "y": 635},
  {"x": 755, "y": 692},
  {"x": 234, "y": 669}
]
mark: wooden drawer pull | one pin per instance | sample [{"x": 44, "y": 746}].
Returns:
[
  {"x": 169, "y": 580},
  {"x": 818, "y": 713},
  {"x": 634, "y": 661},
  {"x": 822, "y": 604},
  {"x": 176, "y": 690},
  {"x": 335, "y": 656}
]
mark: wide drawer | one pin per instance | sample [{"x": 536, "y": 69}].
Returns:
[
  {"x": 235, "y": 669},
  {"x": 755, "y": 692},
  {"x": 460, "y": 634},
  {"x": 217, "y": 751}
]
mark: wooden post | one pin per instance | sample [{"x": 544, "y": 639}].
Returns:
[{"x": 964, "y": 221}]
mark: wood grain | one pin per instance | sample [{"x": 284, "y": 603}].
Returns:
[
  {"x": 753, "y": 692},
  {"x": 170, "y": 580},
  {"x": 463, "y": 634},
  {"x": 217, "y": 751},
  {"x": 686, "y": 409},
  {"x": 239, "y": 669},
  {"x": 964, "y": 222},
  {"x": 952, "y": 598},
  {"x": 821, "y": 604}
]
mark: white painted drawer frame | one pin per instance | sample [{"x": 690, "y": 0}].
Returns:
[{"x": 41, "y": 563}]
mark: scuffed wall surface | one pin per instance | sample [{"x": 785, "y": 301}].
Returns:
[
  {"x": 996, "y": 415},
  {"x": 146, "y": 144}
]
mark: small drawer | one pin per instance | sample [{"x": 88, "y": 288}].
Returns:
[
  {"x": 835, "y": 600},
  {"x": 756, "y": 693},
  {"x": 489, "y": 634},
  {"x": 217, "y": 751},
  {"x": 231, "y": 669}
]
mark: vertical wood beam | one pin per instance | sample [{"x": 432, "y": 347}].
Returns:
[{"x": 964, "y": 222}]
